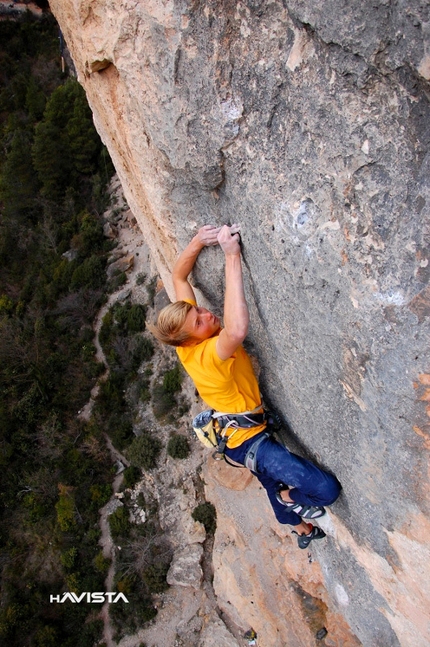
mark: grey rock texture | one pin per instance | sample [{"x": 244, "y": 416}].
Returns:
[
  {"x": 185, "y": 569},
  {"x": 307, "y": 122}
]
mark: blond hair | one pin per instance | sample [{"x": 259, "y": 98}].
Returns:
[{"x": 170, "y": 322}]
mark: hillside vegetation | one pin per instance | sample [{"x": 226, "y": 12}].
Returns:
[{"x": 55, "y": 473}]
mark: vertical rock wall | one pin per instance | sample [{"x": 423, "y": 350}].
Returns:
[{"x": 308, "y": 122}]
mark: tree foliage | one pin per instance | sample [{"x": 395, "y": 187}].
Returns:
[
  {"x": 206, "y": 514},
  {"x": 55, "y": 469},
  {"x": 144, "y": 451},
  {"x": 178, "y": 446}
]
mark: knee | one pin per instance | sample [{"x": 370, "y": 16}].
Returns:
[{"x": 333, "y": 489}]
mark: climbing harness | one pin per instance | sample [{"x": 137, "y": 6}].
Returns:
[
  {"x": 215, "y": 428},
  {"x": 228, "y": 424}
]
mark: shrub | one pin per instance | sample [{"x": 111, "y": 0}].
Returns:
[
  {"x": 144, "y": 451},
  {"x": 120, "y": 432},
  {"x": 131, "y": 476},
  {"x": 162, "y": 402},
  {"x": 144, "y": 392},
  {"x": 89, "y": 274},
  {"x": 111, "y": 394},
  {"x": 100, "y": 493},
  {"x": 117, "y": 282},
  {"x": 172, "y": 380},
  {"x": 65, "y": 508},
  {"x": 206, "y": 514},
  {"x": 101, "y": 563},
  {"x": 143, "y": 351},
  {"x": 151, "y": 289},
  {"x": 136, "y": 318},
  {"x": 106, "y": 328},
  {"x": 119, "y": 523},
  {"x": 155, "y": 577},
  {"x": 178, "y": 446},
  {"x": 68, "y": 557},
  {"x": 120, "y": 312}
]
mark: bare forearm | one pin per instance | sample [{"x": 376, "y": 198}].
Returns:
[
  {"x": 187, "y": 260},
  {"x": 236, "y": 314}
]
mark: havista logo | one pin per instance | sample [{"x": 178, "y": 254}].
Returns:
[{"x": 97, "y": 598}]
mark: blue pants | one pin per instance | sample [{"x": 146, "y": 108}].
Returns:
[{"x": 277, "y": 466}]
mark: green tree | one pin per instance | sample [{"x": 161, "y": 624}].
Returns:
[
  {"x": 52, "y": 159},
  {"x": 172, "y": 380},
  {"x": 144, "y": 451},
  {"x": 35, "y": 100},
  {"x": 18, "y": 181},
  {"x": 65, "y": 508},
  {"x": 136, "y": 317},
  {"x": 90, "y": 274},
  {"x": 85, "y": 143},
  {"x": 66, "y": 145},
  {"x": 206, "y": 514},
  {"x": 178, "y": 446}
]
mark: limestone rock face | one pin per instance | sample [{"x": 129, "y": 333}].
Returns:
[
  {"x": 215, "y": 634},
  {"x": 185, "y": 569},
  {"x": 307, "y": 122}
]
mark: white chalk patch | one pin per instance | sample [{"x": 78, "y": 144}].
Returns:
[
  {"x": 365, "y": 147},
  {"x": 341, "y": 595}
]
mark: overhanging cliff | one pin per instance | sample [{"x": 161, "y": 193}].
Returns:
[{"x": 308, "y": 123}]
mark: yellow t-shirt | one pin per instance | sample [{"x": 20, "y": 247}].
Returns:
[{"x": 227, "y": 385}]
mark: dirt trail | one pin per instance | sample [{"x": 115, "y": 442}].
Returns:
[{"x": 130, "y": 242}]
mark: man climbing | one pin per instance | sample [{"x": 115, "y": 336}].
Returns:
[{"x": 222, "y": 372}]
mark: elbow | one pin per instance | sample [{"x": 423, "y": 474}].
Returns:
[{"x": 239, "y": 333}]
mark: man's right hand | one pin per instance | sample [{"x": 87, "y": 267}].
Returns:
[{"x": 229, "y": 239}]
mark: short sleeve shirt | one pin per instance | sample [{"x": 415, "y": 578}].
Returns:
[{"x": 227, "y": 385}]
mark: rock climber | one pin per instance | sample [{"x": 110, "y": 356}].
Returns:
[{"x": 213, "y": 356}]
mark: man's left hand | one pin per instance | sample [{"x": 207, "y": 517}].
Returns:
[{"x": 208, "y": 235}]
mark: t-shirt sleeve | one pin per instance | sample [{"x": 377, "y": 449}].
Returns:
[{"x": 211, "y": 357}]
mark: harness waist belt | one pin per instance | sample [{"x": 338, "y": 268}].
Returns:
[{"x": 244, "y": 421}]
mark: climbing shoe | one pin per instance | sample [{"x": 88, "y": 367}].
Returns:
[
  {"x": 304, "y": 540},
  {"x": 304, "y": 511}
]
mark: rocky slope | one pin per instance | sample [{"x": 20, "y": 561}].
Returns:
[{"x": 308, "y": 123}]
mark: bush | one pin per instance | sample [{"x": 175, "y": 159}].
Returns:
[
  {"x": 162, "y": 402},
  {"x": 178, "y": 446},
  {"x": 120, "y": 432},
  {"x": 155, "y": 577},
  {"x": 100, "y": 493},
  {"x": 136, "y": 318},
  {"x": 119, "y": 523},
  {"x": 101, "y": 563},
  {"x": 117, "y": 282},
  {"x": 144, "y": 451},
  {"x": 131, "y": 476},
  {"x": 106, "y": 328},
  {"x": 111, "y": 394},
  {"x": 206, "y": 514},
  {"x": 142, "y": 351},
  {"x": 172, "y": 380},
  {"x": 144, "y": 392},
  {"x": 90, "y": 274}
]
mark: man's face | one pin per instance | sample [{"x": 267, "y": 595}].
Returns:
[{"x": 201, "y": 324}]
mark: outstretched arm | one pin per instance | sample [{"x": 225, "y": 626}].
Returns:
[
  {"x": 206, "y": 236},
  {"x": 236, "y": 315}
]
